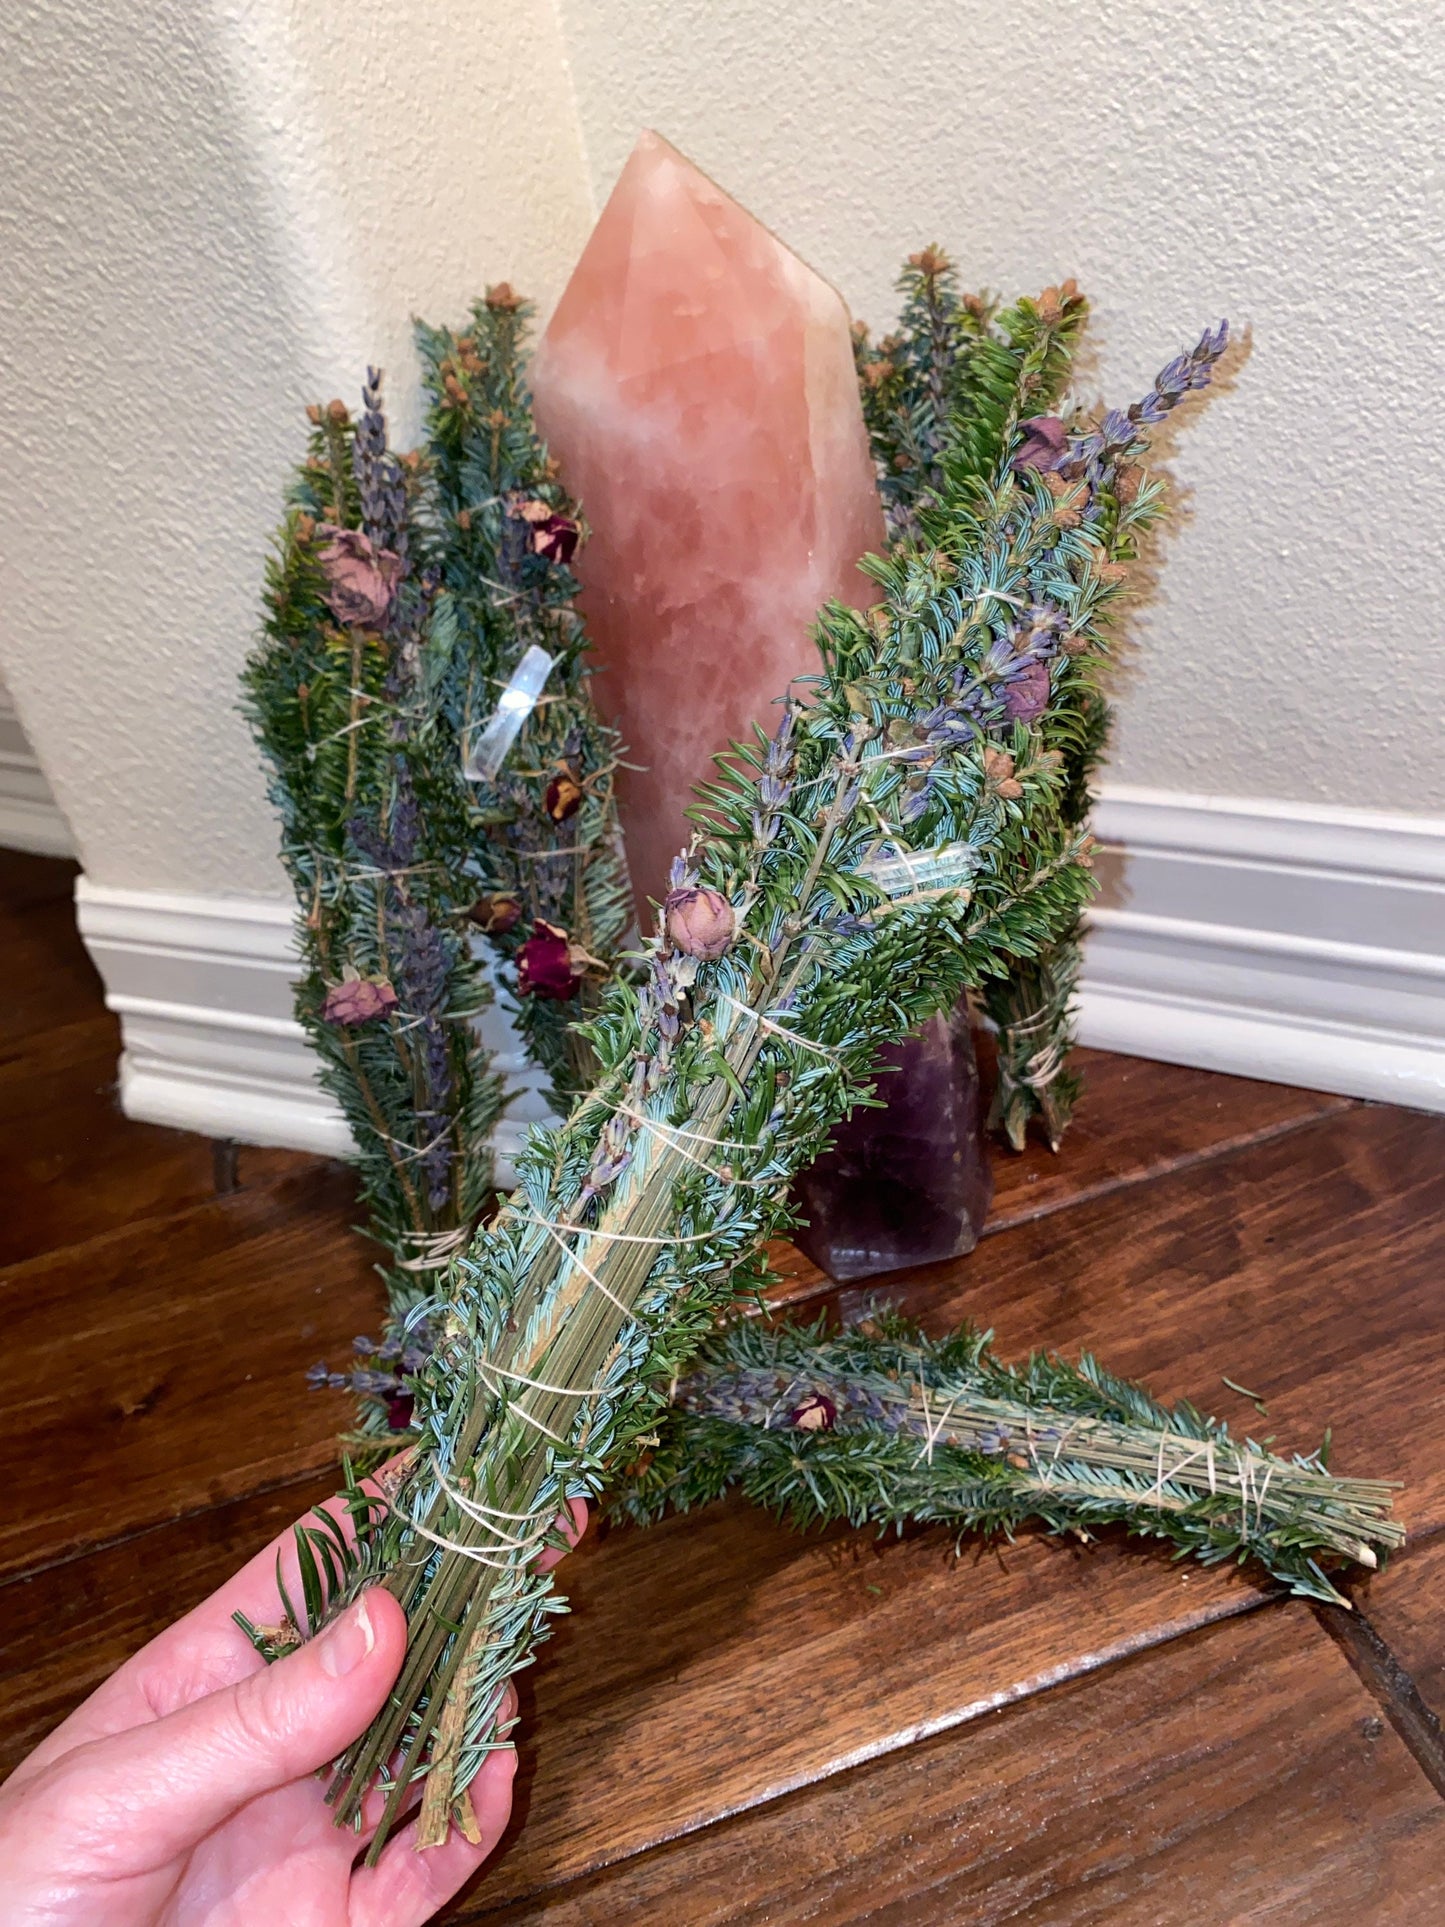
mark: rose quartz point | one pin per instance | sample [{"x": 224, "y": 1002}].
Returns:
[{"x": 696, "y": 385}]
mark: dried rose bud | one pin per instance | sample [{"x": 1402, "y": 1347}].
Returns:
[
  {"x": 698, "y": 922},
  {"x": 358, "y": 1000},
  {"x": 313, "y": 413},
  {"x": 1043, "y": 443},
  {"x": 502, "y": 297},
  {"x": 556, "y": 539},
  {"x": 816, "y": 1413},
  {"x": 998, "y": 770},
  {"x": 466, "y": 344},
  {"x": 337, "y": 412},
  {"x": 464, "y": 520},
  {"x": 544, "y": 964},
  {"x": 305, "y": 528},
  {"x": 564, "y": 796},
  {"x": 454, "y": 390},
  {"x": 496, "y": 913},
  {"x": 1027, "y": 696},
  {"x": 532, "y": 509},
  {"x": 1128, "y": 480},
  {"x": 1112, "y": 572},
  {"x": 363, "y": 579}
]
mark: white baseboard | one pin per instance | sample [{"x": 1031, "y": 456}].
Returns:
[
  {"x": 1286, "y": 941},
  {"x": 202, "y": 986},
  {"x": 30, "y": 818},
  {"x": 1279, "y": 941}
]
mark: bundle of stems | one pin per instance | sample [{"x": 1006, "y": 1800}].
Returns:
[
  {"x": 938, "y": 372},
  {"x": 389, "y": 986},
  {"x": 896, "y": 839},
  {"x": 539, "y": 835},
  {"x": 402, "y": 595},
  {"x": 879, "y": 1425}
]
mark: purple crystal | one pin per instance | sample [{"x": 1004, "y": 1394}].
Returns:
[{"x": 911, "y": 1183}]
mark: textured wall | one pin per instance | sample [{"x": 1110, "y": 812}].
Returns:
[
  {"x": 216, "y": 209},
  {"x": 211, "y": 213},
  {"x": 1276, "y": 160}
]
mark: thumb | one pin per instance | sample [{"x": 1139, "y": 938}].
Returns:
[{"x": 171, "y": 1782}]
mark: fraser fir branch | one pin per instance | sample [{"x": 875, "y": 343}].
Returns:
[
  {"x": 882, "y": 1426},
  {"x": 541, "y": 840},
  {"x": 724, "y": 1069},
  {"x": 389, "y": 986}
]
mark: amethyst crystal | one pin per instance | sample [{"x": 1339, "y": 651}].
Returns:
[{"x": 911, "y": 1183}]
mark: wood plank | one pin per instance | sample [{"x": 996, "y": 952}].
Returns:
[
  {"x": 27, "y": 880},
  {"x": 160, "y": 1370},
  {"x": 49, "y": 978},
  {"x": 714, "y": 1662},
  {"x": 1137, "y": 1121},
  {"x": 1403, "y": 1607},
  {"x": 1241, "y": 1774},
  {"x": 1307, "y": 1268},
  {"x": 64, "y": 1630},
  {"x": 73, "y": 1167}
]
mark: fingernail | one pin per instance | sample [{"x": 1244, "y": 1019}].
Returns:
[{"x": 344, "y": 1644}]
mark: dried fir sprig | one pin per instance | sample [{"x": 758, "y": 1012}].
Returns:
[
  {"x": 895, "y": 840},
  {"x": 879, "y": 1425},
  {"x": 539, "y": 836},
  {"x": 389, "y": 986}
]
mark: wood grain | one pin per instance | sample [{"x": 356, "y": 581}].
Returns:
[
  {"x": 1137, "y": 1121},
  {"x": 64, "y": 1630},
  {"x": 72, "y": 1167},
  {"x": 712, "y": 1663},
  {"x": 1240, "y": 1774},
  {"x": 159, "y": 1370},
  {"x": 1404, "y": 1607},
  {"x": 1307, "y": 1268}
]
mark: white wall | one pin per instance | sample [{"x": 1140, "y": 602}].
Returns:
[
  {"x": 211, "y": 212},
  {"x": 1279, "y": 161}
]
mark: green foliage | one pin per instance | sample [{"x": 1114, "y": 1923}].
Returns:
[
  {"x": 487, "y": 469},
  {"x": 900, "y": 838},
  {"x": 350, "y": 754},
  {"x": 913, "y": 1431},
  {"x": 953, "y": 382}
]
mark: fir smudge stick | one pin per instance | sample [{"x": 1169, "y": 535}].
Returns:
[
  {"x": 901, "y": 1430},
  {"x": 875, "y": 863}
]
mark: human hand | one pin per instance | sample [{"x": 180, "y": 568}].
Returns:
[{"x": 183, "y": 1790}]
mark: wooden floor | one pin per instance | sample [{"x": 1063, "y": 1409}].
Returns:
[{"x": 738, "y": 1724}]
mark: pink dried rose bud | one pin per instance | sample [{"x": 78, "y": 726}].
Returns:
[
  {"x": 544, "y": 964},
  {"x": 1043, "y": 443},
  {"x": 1027, "y": 696},
  {"x": 358, "y": 1000},
  {"x": 363, "y": 578},
  {"x": 699, "y": 922},
  {"x": 816, "y": 1413}
]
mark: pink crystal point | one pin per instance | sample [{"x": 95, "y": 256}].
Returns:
[{"x": 696, "y": 385}]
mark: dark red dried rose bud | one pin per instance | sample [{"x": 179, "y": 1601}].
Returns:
[
  {"x": 564, "y": 796},
  {"x": 1027, "y": 696},
  {"x": 544, "y": 964},
  {"x": 816, "y": 1413},
  {"x": 1043, "y": 443},
  {"x": 556, "y": 539},
  {"x": 399, "y": 1411},
  {"x": 496, "y": 914},
  {"x": 699, "y": 922}
]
